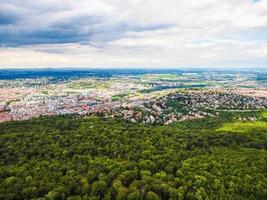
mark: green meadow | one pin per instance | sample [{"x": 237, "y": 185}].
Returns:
[
  {"x": 244, "y": 127},
  {"x": 264, "y": 114}
]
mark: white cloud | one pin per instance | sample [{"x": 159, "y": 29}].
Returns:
[{"x": 134, "y": 33}]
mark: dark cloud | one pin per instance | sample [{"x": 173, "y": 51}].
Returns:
[
  {"x": 21, "y": 24},
  {"x": 74, "y": 29},
  {"x": 7, "y": 18},
  {"x": 52, "y": 36},
  {"x": 9, "y": 14},
  {"x": 42, "y": 23}
]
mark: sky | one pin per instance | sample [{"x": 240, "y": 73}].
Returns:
[{"x": 133, "y": 33}]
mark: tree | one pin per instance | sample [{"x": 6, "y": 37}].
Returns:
[
  {"x": 152, "y": 196},
  {"x": 134, "y": 195},
  {"x": 99, "y": 188}
]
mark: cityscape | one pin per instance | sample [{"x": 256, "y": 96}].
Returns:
[{"x": 151, "y": 97}]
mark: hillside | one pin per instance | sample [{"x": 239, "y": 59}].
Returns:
[{"x": 70, "y": 157}]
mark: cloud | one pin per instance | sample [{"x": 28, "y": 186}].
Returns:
[{"x": 133, "y": 33}]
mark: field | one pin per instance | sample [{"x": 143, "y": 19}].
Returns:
[
  {"x": 244, "y": 127},
  {"x": 264, "y": 114}
]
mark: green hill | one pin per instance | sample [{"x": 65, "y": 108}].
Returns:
[{"x": 74, "y": 158}]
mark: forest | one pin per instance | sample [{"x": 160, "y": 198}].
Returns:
[{"x": 78, "y": 158}]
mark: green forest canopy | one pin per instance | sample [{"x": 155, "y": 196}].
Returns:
[{"x": 70, "y": 157}]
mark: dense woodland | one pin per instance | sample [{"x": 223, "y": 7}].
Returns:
[{"x": 74, "y": 158}]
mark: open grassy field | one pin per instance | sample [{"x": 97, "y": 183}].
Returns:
[
  {"x": 264, "y": 114},
  {"x": 244, "y": 127}
]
